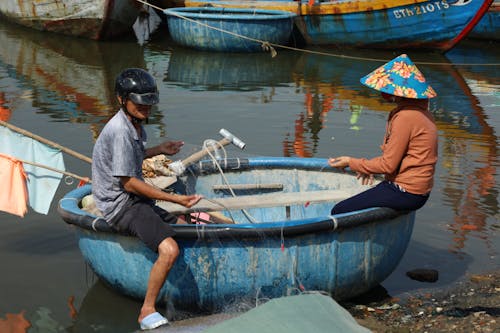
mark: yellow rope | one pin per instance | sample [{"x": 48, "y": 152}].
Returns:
[{"x": 267, "y": 46}]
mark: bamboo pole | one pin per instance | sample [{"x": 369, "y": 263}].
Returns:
[
  {"x": 86, "y": 179},
  {"x": 46, "y": 141}
]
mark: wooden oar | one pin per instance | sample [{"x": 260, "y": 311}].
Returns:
[{"x": 47, "y": 142}]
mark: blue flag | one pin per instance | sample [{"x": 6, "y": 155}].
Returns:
[{"x": 42, "y": 183}]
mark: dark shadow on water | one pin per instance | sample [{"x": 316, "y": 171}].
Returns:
[{"x": 104, "y": 310}]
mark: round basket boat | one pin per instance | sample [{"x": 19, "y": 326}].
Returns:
[{"x": 219, "y": 29}]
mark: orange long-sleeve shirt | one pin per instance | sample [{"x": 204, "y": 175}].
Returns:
[{"x": 409, "y": 151}]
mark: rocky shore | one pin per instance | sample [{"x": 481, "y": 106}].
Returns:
[{"x": 472, "y": 305}]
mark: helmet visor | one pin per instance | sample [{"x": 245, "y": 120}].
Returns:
[{"x": 144, "y": 99}]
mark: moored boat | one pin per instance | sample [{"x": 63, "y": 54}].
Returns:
[
  {"x": 100, "y": 19},
  {"x": 229, "y": 29},
  {"x": 281, "y": 237},
  {"x": 374, "y": 23},
  {"x": 489, "y": 26}
]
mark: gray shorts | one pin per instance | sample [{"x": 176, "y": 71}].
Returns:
[{"x": 148, "y": 222}]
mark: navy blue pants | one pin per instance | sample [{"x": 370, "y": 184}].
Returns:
[{"x": 385, "y": 194}]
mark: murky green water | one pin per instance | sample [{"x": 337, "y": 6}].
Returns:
[{"x": 297, "y": 104}]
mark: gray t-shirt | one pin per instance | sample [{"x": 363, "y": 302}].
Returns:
[{"x": 118, "y": 152}]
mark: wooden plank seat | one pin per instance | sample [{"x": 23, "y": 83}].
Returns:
[
  {"x": 270, "y": 186},
  {"x": 257, "y": 201}
]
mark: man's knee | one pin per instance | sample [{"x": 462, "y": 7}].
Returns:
[{"x": 168, "y": 250}]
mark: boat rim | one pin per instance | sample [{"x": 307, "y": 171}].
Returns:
[
  {"x": 71, "y": 212},
  {"x": 218, "y": 13}
]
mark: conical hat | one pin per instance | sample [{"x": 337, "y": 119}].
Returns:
[{"x": 399, "y": 77}]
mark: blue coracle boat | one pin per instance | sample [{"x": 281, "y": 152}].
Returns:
[
  {"x": 218, "y": 29},
  {"x": 392, "y": 24},
  {"x": 281, "y": 238}
]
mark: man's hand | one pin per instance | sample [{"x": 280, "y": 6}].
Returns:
[
  {"x": 140, "y": 188},
  {"x": 167, "y": 147},
  {"x": 171, "y": 147},
  {"x": 188, "y": 200}
]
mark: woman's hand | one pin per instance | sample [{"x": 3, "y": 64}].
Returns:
[
  {"x": 341, "y": 162},
  {"x": 365, "y": 178}
]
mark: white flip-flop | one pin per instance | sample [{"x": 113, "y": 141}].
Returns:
[{"x": 153, "y": 321}]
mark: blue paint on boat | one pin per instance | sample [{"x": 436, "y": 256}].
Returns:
[
  {"x": 374, "y": 23},
  {"x": 283, "y": 252},
  {"x": 188, "y": 27},
  {"x": 489, "y": 26},
  {"x": 428, "y": 24}
]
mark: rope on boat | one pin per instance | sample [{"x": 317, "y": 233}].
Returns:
[
  {"x": 250, "y": 218},
  {"x": 268, "y": 46}
]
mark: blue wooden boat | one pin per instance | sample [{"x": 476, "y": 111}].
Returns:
[
  {"x": 489, "y": 26},
  {"x": 283, "y": 239},
  {"x": 393, "y": 24},
  {"x": 189, "y": 27}
]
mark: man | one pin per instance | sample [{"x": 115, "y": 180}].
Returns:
[{"x": 121, "y": 194}]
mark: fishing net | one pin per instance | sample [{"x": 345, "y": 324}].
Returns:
[{"x": 302, "y": 313}]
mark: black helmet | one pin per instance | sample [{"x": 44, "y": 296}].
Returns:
[{"x": 137, "y": 85}]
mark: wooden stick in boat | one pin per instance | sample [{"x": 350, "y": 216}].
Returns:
[
  {"x": 47, "y": 142},
  {"x": 200, "y": 154},
  {"x": 247, "y": 187},
  {"x": 257, "y": 201},
  {"x": 227, "y": 139}
]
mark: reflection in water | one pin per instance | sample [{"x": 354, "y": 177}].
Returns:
[
  {"x": 41, "y": 322},
  {"x": 309, "y": 122},
  {"x": 14, "y": 323},
  {"x": 471, "y": 152},
  {"x": 98, "y": 312},
  {"x": 5, "y": 112},
  {"x": 328, "y": 84},
  {"x": 69, "y": 79},
  {"x": 208, "y": 71},
  {"x": 468, "y": 145}
]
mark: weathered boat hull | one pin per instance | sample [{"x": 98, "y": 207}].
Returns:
[
  {"x": 255, "y": 24},
  {"x": 220, "y": 264},
  {"x": 489, "y": 26},
  {"x": 382, "y": 24},
  {"x": 101, "y": 19}
]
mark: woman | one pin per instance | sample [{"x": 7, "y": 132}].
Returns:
[{"x": 409, "y": 149}]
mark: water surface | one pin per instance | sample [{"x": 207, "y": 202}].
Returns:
[{"x": 296, "y": 104}]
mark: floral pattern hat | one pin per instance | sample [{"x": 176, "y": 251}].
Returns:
[{"x": 399, "y": 77}]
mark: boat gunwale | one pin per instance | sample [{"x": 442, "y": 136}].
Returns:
[
  {"x": 254, "y": 14},
  {"x": 71, "y": 213}
]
